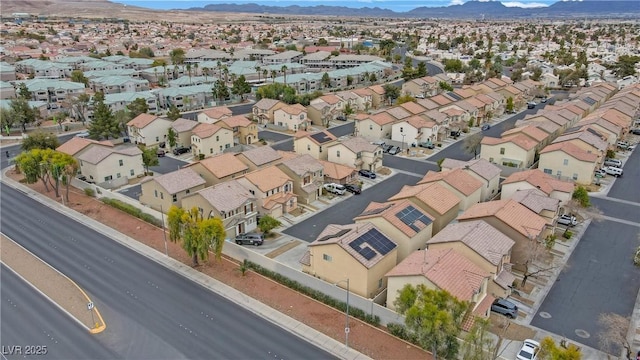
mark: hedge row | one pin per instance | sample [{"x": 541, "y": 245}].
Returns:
[
  {"x": 131, "y": 210},
  {"x": 403, "y": 333},
  {"x": 315, "y": 294}
]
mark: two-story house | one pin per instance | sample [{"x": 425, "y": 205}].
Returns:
[
  {"x": 228, "y": 201},
  {"x": 356, "y": 152},
  {"x": 291, "y": 117},
  {"x": 214, "y": 114},
  {"x": 183, "y": 129},
  {"x": 376, "y": 126},
  {"x": 537, "y": 179},
  {"x": 263, "y": 110},
  {"x": 566, "y": 160},
  {"x": 515, "y": 150},
  {"x": 273, "y": 190},
  {"x": 164, "y": 191},
  {"x": 461, "y": 183},
  {"x": 102, "y": 164},
  {"x": 315, "y": 144},
  {"x": 210, "y": 139},
  {"x": 413, "y": 131},
  {"x": 307, "y": 174},
  {"x": 482, "y": 170},
  {"x": 219, "y": 168},
  {"x": 148, "y": 130},
  {"x": 244, "y": 130},
  {"x": 260, "y": 157}
]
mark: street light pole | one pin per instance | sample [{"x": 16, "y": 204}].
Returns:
[
  {"x": 346, "y": 326},
  {"x": 164, "y": 233},
  {"x": 402, "y": 146}
]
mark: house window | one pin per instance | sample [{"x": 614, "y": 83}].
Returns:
[
  {"x": 338, "y": 153},
  {"x": 308, "y": 147},
  {"x": 187, "y": 191},
  {"x": 559, "y": 173},
  {"x": 217, "y": 138},
  {"x": 157, "y": 138},
  {"x": 370, "y": 127},
  {"x": 175, "y": 197},
  {"x": 501, "y": 151},
  {"x": 380, "y": 283},
  {"x": 401, "y": 129},
  {"x": 575, "y": 176},
  {"x": 155, "y": 193},
  {"x": 326, "y": 257},
  {"x": 118, "y": 175},
  {"x": 211, "y": 151},
  {"x": 121, "y": 162},
  {"x": 490, "y": 159},
  {"x": 132, "y": 172},
  {"x": 107, "y": 178},
  {"x": 565, "y": 162},
  {"x": 548, "y": 171}
]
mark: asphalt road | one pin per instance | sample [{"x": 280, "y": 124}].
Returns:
[
  {"x": 629, "y": 180},
  {"x": 409, "y": 165},
  {"x": 29, "y": 319},
  {"x": 342, "y": 130},
  {"x": 269, "y": 135},
  {"x": 14, "y": 150},
  {"x": 133, "y": 192},
  {"x": 153, "y": 311},
  {"x": 167, "y": 164},
  {"x": 343, "y": 212},
  {"x": 599, "y": 278}
]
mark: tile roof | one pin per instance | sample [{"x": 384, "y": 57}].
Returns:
[
  {"x": 536, "y": 200},
  {"x": 181, "y": 125},
  {"x": 204, "y": 130},
  {"x": 179, "y": 180},
  {"x": 382, "y": 118},
  {"x": 321, "y": 137},
  {"x": 266, "y": 104},
  {"x": 413, "y": 107},
  {"x": 142, "y": 120},
  {"x": 447, "y": 269},
  {"x": 236, "y": 121},
  {"x": 420, "y": 123},
  {"x": 390, "y": 210},
  {"x": 268, "y": 178},
  {"x": 590, "y": 137},
  {"x": 479, "y": 236},
  {"x": 303, "y": 164},
  {"x": 262, "y": 155},
  {"x": 336, "y": 171},
  {"x": 295, "y": 109},
  {"x": 398, "y": 112},
  {"x": 95, "y": 154},
  {"x": 223, "y": 165},
  {"x": 531, "y": 131},
  {"x": 218, "y": 112},
  {"x": 540, "y": 180},
  {"x": 522, "y": 141},
  {"x": 433, "y": 195},
  {"x": 76, "y": 144},
  {"x": 456, "y": 178},
  {"x": 481, "y": 167},
  {"x": 510, "y": 212},
  {"x": 572, "y": 150},
  {"x": 227, "y": 196},
  {"x": 343, "y": 235},
  {"x": 359, "y": 144}
]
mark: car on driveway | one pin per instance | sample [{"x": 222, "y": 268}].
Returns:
[
  {"x": 335, "y": 188},
  {"x": 367, "y": 174},
  {"x": 428, "y": 145},
  {"x": 568, "y": 220},
  {"x": 600, "y": 173},
  {"x": 485, "y": 127},
  {"x": 180, "y": 150},
  {"x": 353, "y": 188},
  {"x": 386, "y": 148},
  {"x": 612, "y": 170},
  {"x": 613, "y": 162},
  {"x": 529, "y": 350},
  {"x": 160, "y": 152},
  {"x": 505, "y": 307},
  {"x": 531, "y": 105},
  {"x": 394, "y": 150},
  {"x": 249, "y": 239},
  {"x": 635, "y": 131}
]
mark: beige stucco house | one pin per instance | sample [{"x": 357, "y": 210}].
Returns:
[
  {"x": 315, "y": 144},
  {"x": 536, "y": 179},
  {"x": 338, "y": 173},
  {"x": 516, "y": 150},
  {"x": 183, "y": 129},
  {"x": 103, "y": 164},
  {"x": 291, "y": 117},
  {"x": 359, "y": 252},
  {"x": 219, "y": 168},
  {"x": 164, "y": 191},
  {"x": 263, "y": 110},
  {"x": 482, "y": 170},
  {"x": 215, "y": 114},
  {"x": 273, "y": 190},
  {"x": 435, "y": 200},
  {"x": 260, "y": 157},
  {"x": 210, "y": 139},
  {"x": 244, "y": 130},
  {"x": 462, "y": 184},
  {"x": 540, "y": 203},
  {"x": 403, "y": 221},
  {"x": 414, "y": 130},
  {"x": 307, "y": 174},
  {"x": 567, "y": 161},
  {"x": 228, "y": 201},
  {"x": 484, "y": 246},
  {"x": 375, "y": 126},
  {"x": 148, "y": 129},
  {"x": 356, "y": 152}
]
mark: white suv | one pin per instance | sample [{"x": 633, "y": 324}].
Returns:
[{"x": 335, "y": 188}]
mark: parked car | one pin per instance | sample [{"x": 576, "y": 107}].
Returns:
[
  {"x": 505, "y": 307},
  {"x": 84, "y": 134},
  {"x": 622, "y": 145},
  {"x": 335, "y": 188},
  {"x": 613, "y": 162},
  {"x": 367, "y": 174},
  {"x": 249, "y": 239},
  {"x": 635, "y": 131},
  {"x": 455, "y": 133},
  {"x": 428, "y": 145},
  {"x": 386, "y": 148},
  {"x": 612, "y": 170},
  {"x": 485, "y": 127},
  {"x": 531, "y": 105},
  {"x": 394, "y": 150},
  {"x": 352, "y": 188},
  {"x": 341, "y": 118},
  {"x": 544, "y": 100},
  {"x": 180, "y": 150},
  {"x": 529, "y": 350},
  {"x": 160, "y": 152},
  {"x": 600, "y": 173},
  {"x": 568, "y": 220}
]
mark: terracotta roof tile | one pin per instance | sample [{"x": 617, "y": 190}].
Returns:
[
  {"x": 571, "y": 150},
  {"x": 227, "y": 196},
  {"x": 542, "y": 181},
  {"x": 262, "y": 155},
  {"x": 218, "y": 112},
  {"x": 433, "y": 195},
  {"x": 182, "y": 125},
  {"x": 268, "y": 178},
  {"x": 456, "y": 178},
  {"x": 336, "y": 171},
  {"x": 223, "y": 165},
  {"x": 76, "y": 144},
  {"x": 236, "y": 121},
  {"x": 179, "y": 180},
  {"x": 204, "y": 130},
  {"x": 142, "y": 120},
  {"x": 536, "y": 200},
  {"x": 510, "y": 212}
]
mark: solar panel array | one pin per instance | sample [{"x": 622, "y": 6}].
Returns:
[
  {"x": 589, "y": 100},
  {"x": 410, "y": 216},
  {"x": 372, "y": 239},
  {"x": 320, "y": 137}
]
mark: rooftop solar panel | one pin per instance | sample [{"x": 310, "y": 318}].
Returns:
[
  {"x": 375, "y": 240},
  {"x": 410, "y": 215},
  {"x": 320, "y": 137}
]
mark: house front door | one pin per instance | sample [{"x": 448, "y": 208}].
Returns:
[{"x": 239, "y": 230}]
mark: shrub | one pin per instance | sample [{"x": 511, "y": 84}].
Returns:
[
  {"x": 131, "y": 210},
  {"x": 549, "y": 241},
  {"x": 581, "y": 195},
  {"x": 567, "y": 234},
  {"x": 89, "y": 192}
]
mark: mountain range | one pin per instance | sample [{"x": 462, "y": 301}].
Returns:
[{"x": 468, "y": 10}]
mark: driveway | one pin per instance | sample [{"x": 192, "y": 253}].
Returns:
[
  {"x": 167, "y": 164},
  {"x": 343, "y": 212},
  {"x": 133, "y": 192},
  {"x": 269, "y": 135}
]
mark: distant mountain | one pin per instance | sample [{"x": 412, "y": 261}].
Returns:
[{"x": 468, "y": 10}]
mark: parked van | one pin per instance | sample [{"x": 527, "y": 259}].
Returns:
[
  {"x": 613, "y": 171},
  {"x": 335, "y": 188},
  {"x": 250, "y": 239},
  {"x": 613, "y": 162}
]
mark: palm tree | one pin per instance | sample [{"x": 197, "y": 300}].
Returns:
[
  {"x": 189, "y": 72},
  {"x": 205, "y": 71},
  {"x": 265, "y": 73},
  {"x": 273, "y": 76},
  {"x": 258, "y": 68},
  {"x": 284, "y": 73},
  {"x": 225, "y": 70}
]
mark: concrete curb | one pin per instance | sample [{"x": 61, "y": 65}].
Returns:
[{"x": 285, "y": 322}]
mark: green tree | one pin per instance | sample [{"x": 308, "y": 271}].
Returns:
[
  {"x": 196, "y": 234},
  {"x": 172, "y": 137},
  {"x": 478, "y": 344},
  {"x": 22, "y": 113},
  {"x": 405, "y": 99},
  {"x": 453, "y": 65},
  {"x": 23, "y": 92},
  {"x": 78, "y": 76},
  {"x": 626, "y": 65},
  {"x": 581, "y": 195},
  {"x": 421, "y": 70},
  {"x": 434, "y": 317},
  {"x": 46, "y": 165},
  {"x": 241, "y": 87},
  {"x": 137, "y": 107},
  {"x": 283, "y": 69},
  {"x": 149, "y": 156},
  {"x": 220, "y": 90},
  {"x": 268, "y": 223},
  {"x": 443, "y": 85},
  {"x": 391, "y": 92},
  {"x": 326, "y": 80},
  {"x": 173, "y": 113},
  {"x": 550, "y": 351},
  {"x": 40, "y": 140},
  {"x": 7, "y": 120},
  {"x": 177, "y": 56},
  {"x": 79, "y": 106},
  {"x": 104, "y": 124},
  {"x": 509, "y": 106}
]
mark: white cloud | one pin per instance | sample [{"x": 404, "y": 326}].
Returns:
[
  {"x": 523, "y": 5},
  {"x": 456, "y": 2}
]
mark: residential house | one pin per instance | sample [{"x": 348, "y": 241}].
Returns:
[
  {"x": 260, "y": 157},
  {"x": 307, "y": 175},
  {"x": 515, "y": 151},
  {"x": 611, "y": 131},
  {"x": 291, "y": 117},
  {"x": 359, "y": 250},
  {"x": 483, "y": 245},
  {"x": 210, "y": 139},
  {"x": 273, "y": 190},
  {"x": 103, "y": 164},
  {"x": 183, "y": 128},
  {"x": 263, "y": 110},
  {"x": 426, "y": 86},
  {"x": 588, "y": 140},
  {"x": 376, "y": 126},
  {"x": 462, "y": 184},
  {"x": 566, "y": 161},
  {"x": 356, "y": 152},
  {"x": 514, "y": 220},
  {"x": 148, "y": 130},
  {"x": 219, "y": 168},
  {"x": 120, "y": 101},
  {"x": 338, "y": 173},
  {"x": 413, "y": 131},
  {"x": 435, "y": 200},
  {"x": 537, "y": 179},
  {"x": 162, "y": 192},
  {"x": 245, "y": 131},
  {"x": 541, "y": 137},
  {"x": 445, "y": 270},
  {"x": 403, "y": 221},
  {"x": 377, "y": 95},
  {"x": 286, "y": 57},
  {"x": 482, "y": 170},
  {"x": 540, "y": 203},
  {"x": 214, "y": 114},
  {"x": 315, "y": 144},
  {"x": 118, "y": 84},
  {"x": 228, "y": 201},
  {"x": 76, "y": 145},
  {"x": 325, "y": 108}
]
